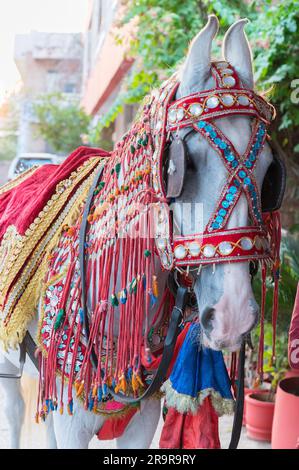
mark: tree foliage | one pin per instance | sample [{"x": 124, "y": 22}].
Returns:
[{"x": 61, "y": 121}]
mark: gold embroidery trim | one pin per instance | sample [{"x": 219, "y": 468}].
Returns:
[
  {"x": 15, "y": 248},
  {"x": 17, "y": 180},
  {"x": 23, "y": 299}
]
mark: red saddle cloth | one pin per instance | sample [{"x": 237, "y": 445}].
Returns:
[{"x": 21, "y": 204}]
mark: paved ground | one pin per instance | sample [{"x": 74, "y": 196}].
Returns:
[{"x": 34, "y": 437}]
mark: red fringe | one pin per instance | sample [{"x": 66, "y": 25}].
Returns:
[{"x": 273, "y": 226}]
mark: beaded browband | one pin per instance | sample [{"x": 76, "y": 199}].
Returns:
[{"x": 199, "y": 110}]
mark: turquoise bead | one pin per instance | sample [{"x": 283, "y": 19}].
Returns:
[{"x": 202, "y": 124}]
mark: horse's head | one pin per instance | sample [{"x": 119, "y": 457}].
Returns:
[{"x": 227, "y": 306}]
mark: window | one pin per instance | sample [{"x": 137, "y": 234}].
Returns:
[
  {"x": 69, "y": 88},
  {"x": 52, "y": 81}
]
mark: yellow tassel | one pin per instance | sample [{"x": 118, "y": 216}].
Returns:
[
  {"x": 155, "y": 286},
  {"x": 77, "y": 385},
  {"x": 94, "y": 391},
  {"x": 80, "y": 389},
  {"x": 37, "y": 418},
  {"x": 100, "y": 209},
  {"x": 61, "y": 410},
  {"x": 109, "y": 381},
  {"x": 135, "y": 384},
  {"x": 139, "y": 380}
]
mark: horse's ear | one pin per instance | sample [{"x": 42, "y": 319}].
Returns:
[
  {"x": 237, "y": 51},
  {"x": 198, "y": 62}
]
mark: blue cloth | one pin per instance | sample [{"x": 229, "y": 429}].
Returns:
[{"x": 198, "y": 368}]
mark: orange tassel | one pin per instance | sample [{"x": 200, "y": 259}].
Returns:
[
  {"x": 80, "y": 389},
  {"x": 94, "y": 391},
  {"x": 71, "y": 231},
  {"x": 61, "y": 410},
  {"x": 155, "y": 287},
  {"x": 135, "y": 384},
  {"x": 109, "y": 381},
  {"x": 139, "y": 380},
  {"x": 123, "y": 384},
  {"x": 77, "y": 385},
  {"x": 95, "y": 407}
]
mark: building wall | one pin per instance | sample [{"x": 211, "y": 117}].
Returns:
[
  {"x": 48, "y": 62},
  {"x": 105, "y": 63}
]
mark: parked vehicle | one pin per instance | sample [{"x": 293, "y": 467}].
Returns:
[{"x": 24, "y": 161}]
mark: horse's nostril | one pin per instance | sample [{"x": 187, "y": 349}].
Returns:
[{"x": 207, "y": 318}]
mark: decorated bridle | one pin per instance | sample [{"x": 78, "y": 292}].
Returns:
[
  {"x": 216, "y": 244},
  {"x": 134, "y": 173}
]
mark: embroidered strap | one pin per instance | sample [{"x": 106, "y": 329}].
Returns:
[
  {"x": 227, "y": 98},
  {"x": 240, "y": 169},
  {"x": 239, "y": 244}
]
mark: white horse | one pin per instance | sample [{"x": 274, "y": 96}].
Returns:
[{"x": 226, "y": 303}]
